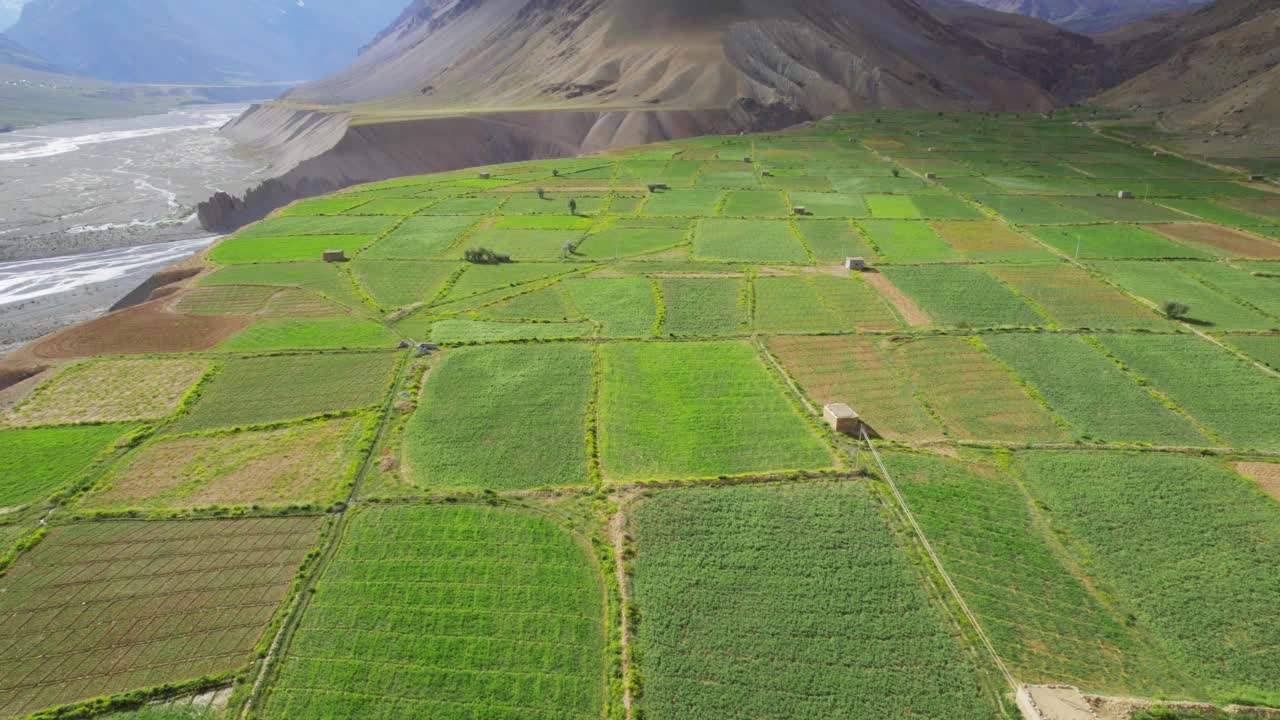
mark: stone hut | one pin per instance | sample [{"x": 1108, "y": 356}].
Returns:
[
  {"x": 856, "y": 264},
  {"x": 931, "y": 176},
  {"x": 842, "y": 419},
  {"x": 1125, "y": 195},
  {"x": 335, "y": 256},
  {"x": 485, "y": 176}
]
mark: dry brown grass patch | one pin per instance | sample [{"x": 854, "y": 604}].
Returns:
[
  {"x": 1234, "y": 242},
  {"x": 306, "y": 463},
  {"x": 110, "y": 391}
]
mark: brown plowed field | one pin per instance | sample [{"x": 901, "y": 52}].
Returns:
[
  {"x": 144, "y": 329},
  {"x": 102, "y": 608},
  {"x": 1267, "y": 475},
  {"x": 1235, "y": 242}
]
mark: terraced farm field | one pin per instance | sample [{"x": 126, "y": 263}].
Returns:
[
  {"x": 103, "y": 608},
  {"x": 599, "y": 478},
  {"x": 449, "y": 612}
]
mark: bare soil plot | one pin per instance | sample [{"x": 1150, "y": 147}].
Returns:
[
  {"x": 1266, "y": 474},
  {"x": 139, "y": 330},
  {"x": 298, "y": 464},
  {"x": 976, "y": 397},
  {"x": 1234, "y": 243},
  {"x": 103, "y": 608},
  {"x": 112, "y": 390},
  {"x": 849, "y": 369}
]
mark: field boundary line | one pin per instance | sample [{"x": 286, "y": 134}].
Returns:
[
  {"x": 937, "y": 562},
  {"x": 328, "y": 547},
  {"x": 617, "y": 537}
]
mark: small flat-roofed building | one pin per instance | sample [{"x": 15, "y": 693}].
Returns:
[{"x": 842, "y": 419}]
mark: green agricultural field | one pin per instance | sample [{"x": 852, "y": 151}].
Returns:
[
  {"x": 303, "y": 464},
  {"x": 1211, "y": 211},
  {"x": 683, "y": 203},
  {"x": 342, "y": 333},
  {"x": 1113, "y": 209},
  {"x": 1072, "y": 298},
  {"x": 853, "y": 371},
  {"x": 621, "y": 307},
  {"x": 1114, "y": 242},
  {"x": 698, "y": 410},
  {"x": 465, "y": 611},
  {"x": 224, "y": 580},
  {"x": 767, "y": 241},
  {"x": 601, "y": 473},
  {"x": 789, "y": 602},
  {"x": 831, "y": 205},
  {"x": 336, "y": 206},
  {"x": 347, "y": 225},
  {"x": 703, "y": 306},
  {"x": 975, "y": 397},
  {"x": 1266, "y": 348},
  {"x": 480, "y": 279},
  {"x": 988, "y": 241},
  {"x": 1166, "y": 282},
  {"x": 549, "y": 304},
  {"x": 252, "y": 391},
  {"x": 628, "y": 238},
  {"x": 1046, "y": 621},
  {"x": 397, "y": 284},
  {"x": 818, "y": 304},
  {"x": 241, "y": 249},
  {"x": 1192, "y": 551},
  {"x": 326, "y": 280},
  {"x": 832, "y": 241},
  {"x": 35, "y": 463},
  {"x": 454, "y": 331},
  {"x": 1257, "y": 292},
  {"x": 420, "y": 238},
  {"x": 1233, "y": 399},
  {"x": 1091, "y": 392},
  {"x": 502, "y": 418},
  {"x": 908, "y": 241},
  {"x": 963, "y": 296},
  {"x": 756, "y": 203},
  {"x": 1033, "y": 210}
]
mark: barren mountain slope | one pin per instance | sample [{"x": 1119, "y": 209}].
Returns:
[
  {"x": 816, "y": 56},
  {"x": 1068, "y": 65},
  {"x": 1222, "y": 67},
  {"x": 1090, "y": 16},
  {"x": 11, "y": 53}
]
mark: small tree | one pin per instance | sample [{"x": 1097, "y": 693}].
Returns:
[
  {"x": 1175, "y": 310},
  {"x": 897, "y": 172},
  {"x": 485, "y": 256},
  {"x": 542, "y": 193},
  {"x": 573, "y": 207}
]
